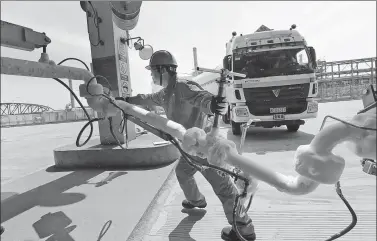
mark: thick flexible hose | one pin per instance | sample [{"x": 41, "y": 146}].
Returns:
[{"x": 198, "y": 165}]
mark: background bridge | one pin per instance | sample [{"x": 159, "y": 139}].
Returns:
[
  {"x": 19, "y": 114},
  {"x": 23, "y": 108}
]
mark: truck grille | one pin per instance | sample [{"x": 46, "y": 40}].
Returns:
[
  {"x": 263, "y": 108},
  {"x": 266, "y": 94},
  {"x": 293, "y": 97}
]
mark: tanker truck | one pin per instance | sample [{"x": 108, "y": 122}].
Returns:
[{"x": 280, "y": 84}]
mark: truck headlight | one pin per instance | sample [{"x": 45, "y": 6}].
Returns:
[
  {"x": 312, "y": 107},
  {"x": 242, "y": 112}
]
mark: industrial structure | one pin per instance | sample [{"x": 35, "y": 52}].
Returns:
[
  {"x": 108, "y": 26},
  {"x": 345, "y": 79},
  {"x": 105, "y": 88}
]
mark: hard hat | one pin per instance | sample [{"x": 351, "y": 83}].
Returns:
[{"x": 161, "y": 57}]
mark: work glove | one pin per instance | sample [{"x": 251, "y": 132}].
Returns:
[{"x": 219, "y": 105}]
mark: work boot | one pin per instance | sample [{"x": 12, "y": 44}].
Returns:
[
  {"x": 228, "y": 234},
  {"x": 189, "y": 205}
]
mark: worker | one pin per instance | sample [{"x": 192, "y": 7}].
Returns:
[
  {"x": 252, "y": 68},
  {"x": 285, "y": 60},
  {"x": 186, "y": 103}
]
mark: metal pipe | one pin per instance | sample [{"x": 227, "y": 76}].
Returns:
[
  {"x": 195, "y": 60},
  {"x": 70, "y": 94},
  {"x": 174, "y": 129},
  {"x": 11, "y": 66},
  {"x": 220, "y": 93},
  {"x": 19, "y": 67},
  {"x": 220, "y": 72},
  {"x": 298, "y": 185},
  {"x": 371, "y": 73}
]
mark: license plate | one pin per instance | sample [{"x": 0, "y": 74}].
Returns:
[
  {"x": 278, "y": 110},
  {"x": 279, "y": 117}
]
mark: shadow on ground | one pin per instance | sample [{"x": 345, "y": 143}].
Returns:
[
  {"x": 51, "y": 194},
  {"x": 109, "y": 178},
  {"x": 55, "y": 193},
  {"x": 262, "y": 140},
  {"x": 57, "y": 226},
  {"x": 182, "y": 231}
]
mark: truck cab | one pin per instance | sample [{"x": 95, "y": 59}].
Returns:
[{"x": 280, "y": 83}]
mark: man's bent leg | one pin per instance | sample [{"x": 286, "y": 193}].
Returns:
[
  {"x": 226, "y": 191},
  {"x": 185, "y": 175}
]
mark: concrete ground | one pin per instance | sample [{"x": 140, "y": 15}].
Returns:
[
  {"x": 276, "y": 216},
  {"x": 106, "y": 205},
  {"x": 27, "y": 149},
  {"x": 39, "y": 202}
]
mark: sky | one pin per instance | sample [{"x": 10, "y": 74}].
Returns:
[{"x": 337, "y": 30}]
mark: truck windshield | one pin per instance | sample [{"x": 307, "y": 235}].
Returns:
[{"x": 272, "y": 63}]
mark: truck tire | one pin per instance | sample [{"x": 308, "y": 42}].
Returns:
[
  {"x": 236, "y": 128},
  {"x": 226, "y": 118},
  {"x": 293, "y": 127}
]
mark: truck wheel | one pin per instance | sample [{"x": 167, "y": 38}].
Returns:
[
  {"x": 236, "y": 128},
  {"x": 226, "y": 118},
  {"x": 293, "y": 127}
]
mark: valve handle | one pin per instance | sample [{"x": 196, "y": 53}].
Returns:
[{"x": 221, "y": 72}]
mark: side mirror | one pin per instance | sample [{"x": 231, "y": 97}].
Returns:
[
  {"x": 313, "y": 56},
  {"x": 227, "y": 62}
]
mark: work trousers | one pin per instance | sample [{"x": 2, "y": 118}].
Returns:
[{"x": 221, "y": 185}]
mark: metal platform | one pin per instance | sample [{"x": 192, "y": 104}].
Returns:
[
  {"x": 141, "y": 152},
  {"x": 276, "y": 216},
  {"x": 108, "y": 205}
]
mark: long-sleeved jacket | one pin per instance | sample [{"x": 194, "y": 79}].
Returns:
[{"x": 183, "y": 102}]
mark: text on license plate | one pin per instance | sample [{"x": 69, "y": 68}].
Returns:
[
  {"x": 279, "y": 117},
  {"x": 278, "y": 110}
]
